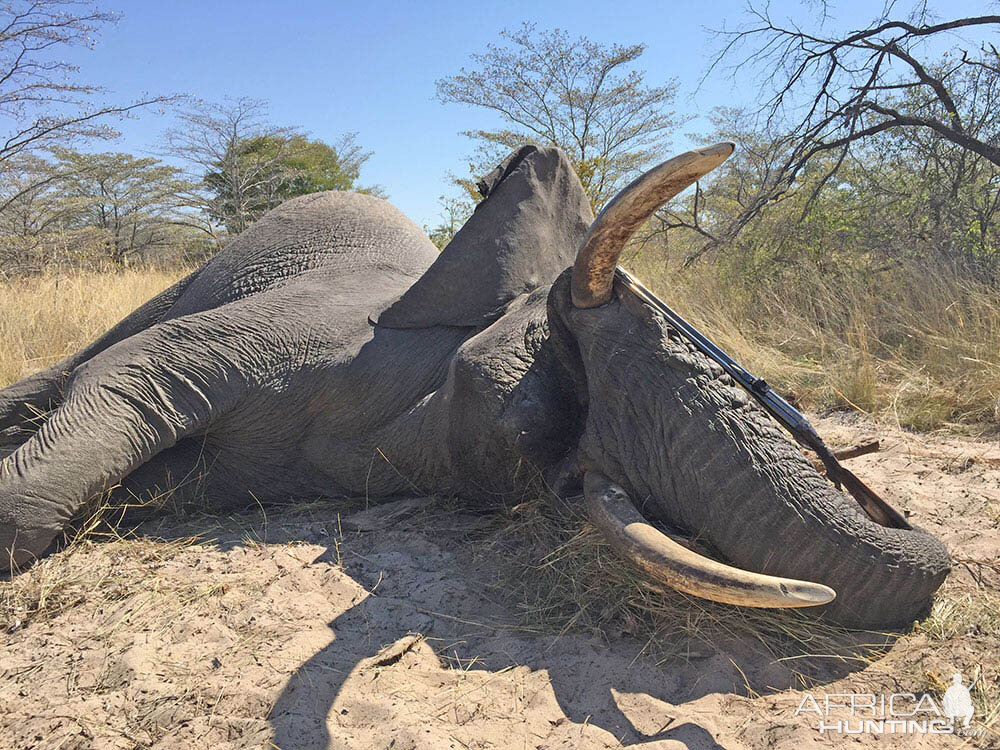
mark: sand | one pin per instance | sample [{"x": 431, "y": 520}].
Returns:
[{"x": 326, "y": 624}]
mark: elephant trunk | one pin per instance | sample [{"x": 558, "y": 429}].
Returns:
[
  {"x": 790, "y": 521},
  {"x": 87, "y": 445},
  {"x": 688, "y": 445},
  {"x": 735, "y": 481}
]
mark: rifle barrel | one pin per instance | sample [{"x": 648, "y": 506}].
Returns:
[
  {"x": 790, "y": 417},
  {"x": 783, "y": 412}
]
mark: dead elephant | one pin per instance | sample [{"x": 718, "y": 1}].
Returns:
[{"x": 331, "y": 350}]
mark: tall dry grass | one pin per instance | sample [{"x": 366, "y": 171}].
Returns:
[
  {"x": 45, "y": 318},
  {"x": 918, "y": 347}
]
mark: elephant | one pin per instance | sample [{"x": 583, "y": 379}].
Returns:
[{"x": 331, "y": 350}]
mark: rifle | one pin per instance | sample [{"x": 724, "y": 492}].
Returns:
[{"x": 783, "y": 412}]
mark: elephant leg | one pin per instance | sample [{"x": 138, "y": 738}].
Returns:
[
  {"x": 25, "y": 403},
  {"x": 127, "y": 405},
  {"x": 176, "y": 478},
  {"x": 190, "y": 477}
]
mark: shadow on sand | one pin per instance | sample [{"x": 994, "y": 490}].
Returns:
[{"x": 425, "y": 572}]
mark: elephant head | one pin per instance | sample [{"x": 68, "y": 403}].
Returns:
[{"x": 667, "y": 431}]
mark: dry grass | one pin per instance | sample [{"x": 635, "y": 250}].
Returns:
[
  {"x": 570, "y": 578},
  {"x": 60, "y": 582},
  {"x": 917, "y": 347},
  {"x": 566, "y": 577},
  {"x": 45, "y": 318}
]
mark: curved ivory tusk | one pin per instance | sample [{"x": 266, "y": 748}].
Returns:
[
  {"x": 593, "y": 271},
  {"x": 629, "y": 534}
]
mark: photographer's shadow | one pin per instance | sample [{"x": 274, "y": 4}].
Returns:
[{"x": 386, "y": 669}]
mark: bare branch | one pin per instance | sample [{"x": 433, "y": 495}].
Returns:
[{"x": 832, "y": 93}]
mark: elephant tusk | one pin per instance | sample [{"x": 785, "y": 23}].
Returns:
[
  {"x": 594, "y": 269},
  {"x": 629, "y": 534}
]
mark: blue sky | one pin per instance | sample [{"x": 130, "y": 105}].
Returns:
[{"x": 370, "y": 67}]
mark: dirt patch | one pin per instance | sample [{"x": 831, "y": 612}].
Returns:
[{"x": 332, "y": 625}]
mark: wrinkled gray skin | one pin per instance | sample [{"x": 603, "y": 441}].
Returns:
[{"x": 262, "y": 373}]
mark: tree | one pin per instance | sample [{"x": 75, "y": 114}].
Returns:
[
  {"x": 454, "y": 213},
  {"x": 89, "y": 208},
  {"x": 314, "y": 166},
  {"x": 833, "y": 93},
  {"x": 34, "y": 212},
  {"x": 39, "y": 94},
  {"x": 738, "y": 191},
  {"x": 905, "y": 199},
  {"x": 301, "y": 166},
  {"x": 135, "y": 201},
  {"x": 213, "y": 141},
  {"x": 577, "y": 94},
  {"x": 244, "y": 166}
]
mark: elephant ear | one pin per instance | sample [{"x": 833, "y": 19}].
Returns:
[{"x": 522, "y": 235}]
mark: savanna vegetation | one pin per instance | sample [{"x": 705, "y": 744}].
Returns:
[
  {"x": 66, "y": 204},
  {"x": 848, "y": 251}
]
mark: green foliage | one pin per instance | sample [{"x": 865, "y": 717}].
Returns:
[
  {"x": 905, "y": 196},
  {"x": 868, "y": 283},
  {"x": 245, "y": 165},
  {"x": 315, "y": 166},
  {"x": 283, "y": 165}
]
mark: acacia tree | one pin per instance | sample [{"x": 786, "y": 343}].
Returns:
[
  {"x": 76, "y": 207},
  {"x": 213, "y": 141},
  {"x": 582, "y": 96},
  {"x": 42, "y": 104},
  {"x": 133, "y": 200},
  {"x": 34, "y": 211}
]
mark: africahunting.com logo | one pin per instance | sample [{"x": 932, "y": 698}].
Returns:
[{"x": 895, "y": 713}]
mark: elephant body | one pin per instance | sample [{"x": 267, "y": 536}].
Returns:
[{"x": 330, "y": 350}]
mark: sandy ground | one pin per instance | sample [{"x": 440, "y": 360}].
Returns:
[{"x": 328, "y": 625}]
